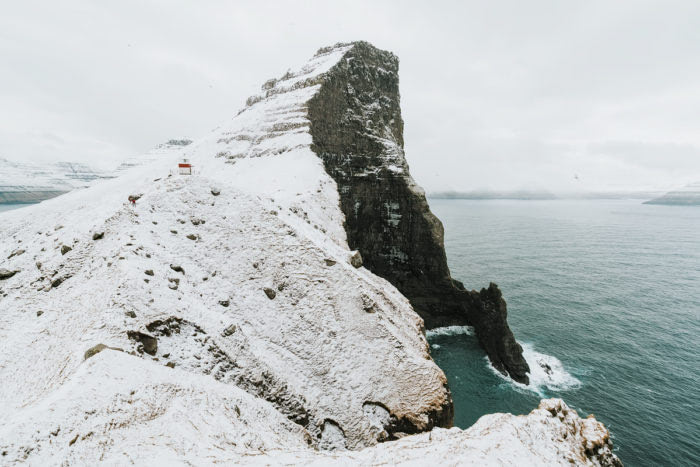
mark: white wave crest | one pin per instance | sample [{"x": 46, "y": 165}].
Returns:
[
  {"x": 450, "y": 331},
  {"x": 546, "y": 372}
]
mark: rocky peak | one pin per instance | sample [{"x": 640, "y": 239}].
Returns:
[{"x": 357, "y": 131}]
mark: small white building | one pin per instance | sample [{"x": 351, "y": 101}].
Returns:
[{"x": 185, "y": 167}]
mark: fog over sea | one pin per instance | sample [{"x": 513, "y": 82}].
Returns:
[{"x": 607, "y": 293}]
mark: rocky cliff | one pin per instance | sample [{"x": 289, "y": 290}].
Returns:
[
  {"x": 357, "y": 130},
  {"x": 224, "y": 318}
]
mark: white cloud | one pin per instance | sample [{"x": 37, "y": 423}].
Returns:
[{"x": 500, "y": 94}]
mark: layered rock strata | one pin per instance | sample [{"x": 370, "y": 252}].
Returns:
[{"x": 357, "y": 130}]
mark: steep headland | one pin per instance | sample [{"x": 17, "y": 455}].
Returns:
[
  {"x": 357, "y": 131},
  {"x": 225, "y": 317}
]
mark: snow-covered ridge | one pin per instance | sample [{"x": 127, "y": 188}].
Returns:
[
  {"x": 220, "y": 320},
  {"x": 26, "y": 182}
]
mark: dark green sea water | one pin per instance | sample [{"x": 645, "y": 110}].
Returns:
[{"x": 608, "y": 293}]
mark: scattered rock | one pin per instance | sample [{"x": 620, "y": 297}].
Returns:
[
  {"x": 329, "y": 262},
  {"x": 174, "y": 283},
  {"x": 173, "y": 231},
  {"x": 15, "y": 253},
  {"x": 356, "y": 259},
  {"x": 192, "y": 236},
  {"x": 98, "y": 235},
  {"x": 60, "y": 280},
  {"x": 177, "y": 268},
  {"x": 130, "y": 314},
  {"x": 170, "y": 364},
  {"x": 6, "y": 273},
  {"x": 229, "y": 330},
  {"x": 149, "y": 344},
  {"x": 92, "y": 351},
  {"x": 215, "y": 191},
  {"x": 38, "y": 264},
  {"x": 368, "y": 304},
  {"x": 65, "y": 249},
  {"x": 197, "y": 221},
  {"x": 224, "y": 303},
  {"x": 148, "y": 272},
  {"x": 39, "y": 313},
  {"x": 270, "y": 292}
]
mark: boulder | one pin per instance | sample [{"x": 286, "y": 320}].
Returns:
[
  {"x": 65, "y": 249},
  {"x": 92, "y": 351},
  {"x": 6, "y": 273},
  {"x": 149, "y": 343},
  {"x": 16, "y": 253},
  {"x": 356, "y": 259},
  {"x": 98, "y": 235},
  {"x": 270, "y": 292}
]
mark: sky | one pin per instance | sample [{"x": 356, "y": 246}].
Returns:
[{"x": 558, "y": 95}]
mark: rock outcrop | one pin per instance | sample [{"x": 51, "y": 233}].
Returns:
[
  {"x": 265, "y": 340},
  {"x": 357, "y": 130}
]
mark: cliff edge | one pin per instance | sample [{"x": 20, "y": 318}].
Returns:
[
  {"x": 357, "y": 130},
  {"x": 225, "y": 317}
]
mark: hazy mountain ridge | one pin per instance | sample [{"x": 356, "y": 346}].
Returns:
[
  {"x": 26, "y": 182},
  {"x": 689, "y": 195}
]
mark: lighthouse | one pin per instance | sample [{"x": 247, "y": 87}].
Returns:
[{"x": 185, "y": 167}]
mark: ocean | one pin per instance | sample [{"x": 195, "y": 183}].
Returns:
[{"x": 607, "y": 292}]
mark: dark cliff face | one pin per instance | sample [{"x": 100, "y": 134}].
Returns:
[{"x": 357, "y": 131}]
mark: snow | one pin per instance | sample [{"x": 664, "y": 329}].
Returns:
[
  {"x": 58, "y": 176},
  {"x": 233, "y": 369}
]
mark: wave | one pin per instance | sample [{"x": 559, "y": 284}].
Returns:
[
  {"x": 449, "y": 331},
  {"x": 546, "y": 372}
]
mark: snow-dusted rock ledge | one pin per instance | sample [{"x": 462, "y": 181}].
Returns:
[{"x": 222, "y": 318}]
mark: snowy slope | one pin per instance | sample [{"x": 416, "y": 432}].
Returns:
[
  {"x": 65, "y": 176},
  {"x": 242, "y": 332}
]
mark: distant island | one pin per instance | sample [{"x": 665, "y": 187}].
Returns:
[{"x": 689, "y": 195}]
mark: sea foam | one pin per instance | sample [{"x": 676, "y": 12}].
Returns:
[
  {"x": 450, "y": 331},
  {"x": 546, "y": 373}
]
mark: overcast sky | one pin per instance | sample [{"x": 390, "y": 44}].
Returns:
[{"x": 495, "y": 94}]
